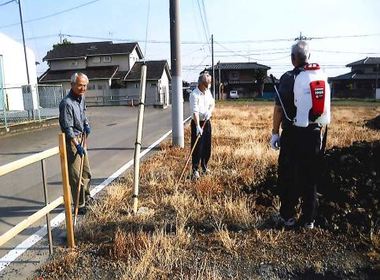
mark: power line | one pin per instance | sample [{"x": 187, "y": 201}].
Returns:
[
  {"x": 344, "y": 36},
  {"x": 344, "y": 52},
  {"x": 130, "y": 40},
  {"x": 204, "y": 23},
  {"x": 147, "y": 28},
  {"x": 6, "y": 3},
  {"x": 205, "y": 17},
  {"x": 292, "y": 39},
  {"x": 196, "y": 19},
  {"x": 51, "y": 15}
]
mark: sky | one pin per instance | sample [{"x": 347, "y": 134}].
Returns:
[{"x": 338, "y": 31}]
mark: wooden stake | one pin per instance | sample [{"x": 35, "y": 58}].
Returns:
[{"x": 66, "y": 190}]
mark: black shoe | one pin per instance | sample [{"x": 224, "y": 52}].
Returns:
[
  {"x": 206, "y": 172},
  {"x": 82, "y": 210},
  {"x": 195, "y": 175}
]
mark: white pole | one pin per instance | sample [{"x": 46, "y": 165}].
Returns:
[{"x": 140, "y": 119}]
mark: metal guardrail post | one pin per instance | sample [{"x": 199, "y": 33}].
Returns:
[
  {"x": 3, "y": 93},
  {"x": 66, "y": 190},
  {"x": 46, "y": 197}
]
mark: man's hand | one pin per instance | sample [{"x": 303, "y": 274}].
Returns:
[
  {"x": 80, "y": 150},
  {"x": 275, "y": 141},
  {"x": 87, "y": 129},
  {"x": 199, "y": 130}
]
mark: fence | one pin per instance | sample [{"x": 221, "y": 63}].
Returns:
[
  {"x": 18, "y": 164},
  {"x": 24, "y": 104},
  {"x": 110, "y": 97}
]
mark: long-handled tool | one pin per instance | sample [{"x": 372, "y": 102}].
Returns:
[
  {"x": 79, "y": 181},
  {"x": 191, "y": 153}
]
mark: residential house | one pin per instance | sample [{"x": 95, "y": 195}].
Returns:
[
  {"x": 157, "y": 82},
  {"x": 245, "y": 77},
  {"x": 13, "y": 76},
  {"x": 106, "y": 64},
  {"x": 360, "y": 82}
]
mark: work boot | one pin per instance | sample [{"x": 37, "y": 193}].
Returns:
[
  {"x": 82, "y": 210},
  {"x": 309, "y": 225},
  {"x": 89, "y": 200},
  {"x": 195, "y": 176},
  {"x": 206, "y": 172},
  {"x": 290, "y": 222},
  {"x": 281, "y": 222}
]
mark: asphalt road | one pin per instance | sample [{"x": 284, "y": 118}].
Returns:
[{"x": 110, "y": 145}]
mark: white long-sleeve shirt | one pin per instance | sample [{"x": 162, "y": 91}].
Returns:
[{"x": 201, "y": 102}]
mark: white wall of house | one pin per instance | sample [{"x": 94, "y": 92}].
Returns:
[
  {"x": 93, "y": 61},
  {"x": 14, "y": 71},
  {"x": 133, "y": 92},
  {"x": 133, "y": 57},
  {"x": 157, "y": 91},
  {"x": 98, "y": 85},
  {"x": 121, "y": 60},
  {"x": 65, "y": 64},
  {"x": 164, "y": 88}
]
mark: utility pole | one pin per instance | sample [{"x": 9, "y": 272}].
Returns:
[
  {"x": 23, "y": 41},
  {"x": 177, "y": 95},
  {"x": 213, "y": 68},
  {"x": 60, "y": 37},
  {"x": 220, "y": 81},
  {"x": 301, "y": 38}
]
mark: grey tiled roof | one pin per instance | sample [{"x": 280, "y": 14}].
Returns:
[
  {"x": 354, "y": 76},
  {"x": 93, "y": 73},
  {"x": 77, "y": 50},
  {"x": 155, "y": 68},
  {"x": 365, "y": 61}
]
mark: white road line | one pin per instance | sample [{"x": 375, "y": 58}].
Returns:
[{"x": 38, "y": 235}]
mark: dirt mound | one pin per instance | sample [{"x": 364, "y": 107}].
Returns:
[
  {"x": 374, "y": 123},
  {"x": 350, "y": 189}
]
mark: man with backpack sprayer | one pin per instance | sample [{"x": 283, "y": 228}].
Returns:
[
  {"x": 75, "y": 125},
  {"x": 302, "y": 107},
  {"x": 201, "y": 106}
]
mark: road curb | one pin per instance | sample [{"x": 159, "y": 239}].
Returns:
[{"x": 27, "y": 126}]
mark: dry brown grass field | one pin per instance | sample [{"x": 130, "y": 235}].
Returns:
[{"x": 220, "y": 226}]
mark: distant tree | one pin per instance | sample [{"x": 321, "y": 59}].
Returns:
[{"x": 64, "y": 43}]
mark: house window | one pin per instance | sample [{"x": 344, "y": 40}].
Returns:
[
  {"x": 137, "y": 85},
  {"x": 376, "y": 68},
  {"x": 100, "y": 86},
  {"x": 90, "y": 86},
  {"x": 96, "y": 59},
  {"x": 107, "y": 59},
  {"x": 153, "y": 85}
]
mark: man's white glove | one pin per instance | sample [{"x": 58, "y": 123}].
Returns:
[
  {"x": 199, "y": 130},
  {"x": 207, "y": 115},
  {"x": 275, "y": 141}
]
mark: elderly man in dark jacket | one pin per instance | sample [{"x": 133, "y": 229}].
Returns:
[{"x": 74, "y": 123}]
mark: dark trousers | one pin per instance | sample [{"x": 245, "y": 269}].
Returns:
[
  {"x": 298, "y": 171},
  {"x": 202, "y": 151},
  {"x": 74, "y": 163}
]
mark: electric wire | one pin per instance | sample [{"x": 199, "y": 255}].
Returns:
[
  {"x": 51, "y": 15},
  {"x": 6, "y": 3},
  {"x": 147, "y": 29}
]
